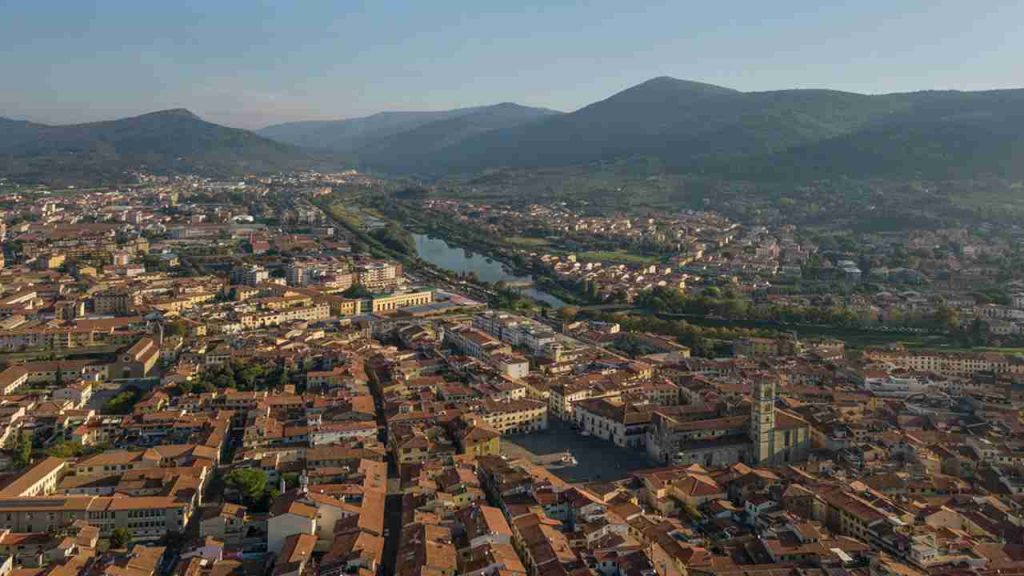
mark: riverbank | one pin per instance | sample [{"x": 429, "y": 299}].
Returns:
[
  {"x": 463, "y": 261},
  {"x": 855, "y": 337},
  {"x": 491, "y": 265},
  {"x": 439, "y": 256}
]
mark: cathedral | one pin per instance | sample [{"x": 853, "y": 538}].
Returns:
[{"x": 766, "y": 436}]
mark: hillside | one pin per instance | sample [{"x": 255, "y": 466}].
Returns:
[
  {"x": 691, "y": 127},
  {"x": 935, "y": 135},
  {"x": 683, "y": 124},
  {"x": 664, "y": 124},
  {"x": 415, "y": 149},
  {"x": 350, "y": 134},
  {"x": 779, "y": 135},
  {"x": 168, "y": 141},
  {"x": 403, "y": 139}
]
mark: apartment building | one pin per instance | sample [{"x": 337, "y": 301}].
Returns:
[
  {"x": 947, "y": 363},
  {"x": 475, "y": 343},
  {"x": 266, "y": 319},
  {"x": 118, "y": 301},
  {"x": 398, "y": 301},
  {"x": 520, "y": 416},
  {"x": 379, "y": 275},
  {"x": 147, "y": 517},
  {"x": 39, "y": 480},
  {"x": 613, "y": 420}
]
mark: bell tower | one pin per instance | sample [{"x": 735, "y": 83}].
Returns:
[{"x": 762, "y": 420}]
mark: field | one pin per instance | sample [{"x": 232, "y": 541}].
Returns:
[
  {"x": 527, "y": 242},
  {"x": 617, "y": 256}
]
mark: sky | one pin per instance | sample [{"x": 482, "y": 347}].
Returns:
[{"x": 249, "y": 63}]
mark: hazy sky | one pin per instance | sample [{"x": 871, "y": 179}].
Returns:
[{"x": 249, "y": 63}]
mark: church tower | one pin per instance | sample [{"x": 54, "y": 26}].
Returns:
[{"x": 762, "y": 420}]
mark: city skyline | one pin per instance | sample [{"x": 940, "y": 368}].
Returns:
[{"x": 745, "y": 299}]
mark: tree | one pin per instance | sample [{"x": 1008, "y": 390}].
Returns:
[
  {"x": 246, "y": 377},
  {"x": 280, "y": 379},
  {"x": 947, "y": 317},
  {"x": 395, "y": 238},
  {"x": 568, "y": 313},
  {"x": 177, "y": 328},
  {"x": 224, "y": 378},
  {"x": 357, "y": 291},
  {"x": 23, "y": 450},
  {"x": 120, "y": 538},
  {"x": 67, "y": 449},
  {"x": 691, "y": 510},
  {"x": 251, "y": 483},
  {"x": 291, "y": 480},
  {"x": 265, "y": 501},
  {"x": 122, "y": 403}
]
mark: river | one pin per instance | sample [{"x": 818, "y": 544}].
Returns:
[{"x": 461, "y": 261}]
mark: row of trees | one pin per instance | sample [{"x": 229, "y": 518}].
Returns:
[
  {"x": 724, "y": 304},
  {"x": 507, "y": 298},
  {"x": 706, "y": 341},
  {"x": 396, "y": 238},
  {"x": 23, "y": 450},
  {"x": 72, "y": 449}
]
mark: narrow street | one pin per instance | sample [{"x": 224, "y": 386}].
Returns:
[
  {"x": 392, "y": 525},
  {"x": 393, "y": 500}
]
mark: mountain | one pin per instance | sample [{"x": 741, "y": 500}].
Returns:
[
  {"x": 415, "y": 150},
  {"x": 779, "y": 135},
  {"x": 679, "y": 122},
  {"x": 349, "y": 135},
  {"x": 402, "y": 138},
  {"x": 934, "y": 135},
  {"x": 665, "y": 123},
  {"x": 700, "y": 128},
  {"x": 166, "y": 141}
]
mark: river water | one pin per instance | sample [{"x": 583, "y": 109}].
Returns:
[{"x": 462, "y": 261}]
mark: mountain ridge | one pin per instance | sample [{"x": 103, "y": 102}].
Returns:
[
  {"x": 689, "y": 126},
  {"x": 352, "y": 135},
  {"x": 171, "y": 141},
  {"x": 675, "y": 125}
]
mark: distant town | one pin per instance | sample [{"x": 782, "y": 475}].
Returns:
[{"x": 333, "y": 374}]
